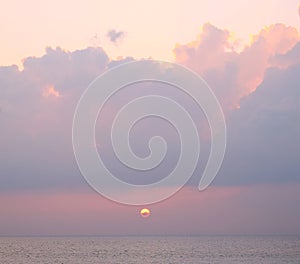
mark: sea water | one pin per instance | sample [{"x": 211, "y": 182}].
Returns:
[{"x": 156, "y": 249}]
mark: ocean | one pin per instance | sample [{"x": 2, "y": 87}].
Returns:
[{"x": 151, "y": 249}]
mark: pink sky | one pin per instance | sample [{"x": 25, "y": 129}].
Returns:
[
  {"x": 256, "y": 80},
  {"x": 261, "y": 209},
  {"x": 151, "y": 28}
]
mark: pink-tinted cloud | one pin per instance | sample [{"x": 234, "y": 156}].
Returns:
[
  {"x": 234, "y": 74},
  {"x": 50, "y": 91},
  {"x": 207, "y": 52},
  {"x": 36, "y": 130}
]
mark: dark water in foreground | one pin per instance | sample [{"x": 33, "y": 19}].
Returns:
[{"x": 202, "y": 249}]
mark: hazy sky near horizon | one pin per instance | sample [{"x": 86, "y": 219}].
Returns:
[{"x": 61, "y": 46}]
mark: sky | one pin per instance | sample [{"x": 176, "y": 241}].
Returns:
[
  {"x": 151, "y": 28},
  {"x": 248, "y": 53}
]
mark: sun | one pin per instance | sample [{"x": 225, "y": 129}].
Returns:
[{"x": 145, "y": 212}]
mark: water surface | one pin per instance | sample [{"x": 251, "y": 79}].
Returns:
[{"x": 201, "y": 249}]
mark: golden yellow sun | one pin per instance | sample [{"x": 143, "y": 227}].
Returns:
[{"x": 145, "y": 212}]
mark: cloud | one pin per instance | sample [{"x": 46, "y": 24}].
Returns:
[
  {"x": 234, "y": 74},
  {"x": 50, "y": 91},
  {"x": 114, "y": 35},
  {"x": 66, "y": 70},
  {"x": 264, "y": 143},
  {"x": 259, "y": 91},
  {"x": 36, "y": 123},
  {"x": 39, "y": 101},
  {"x": 287, "y": 59}
]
